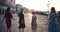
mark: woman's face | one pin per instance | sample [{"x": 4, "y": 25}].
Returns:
[{"x": 52, "y": 10}]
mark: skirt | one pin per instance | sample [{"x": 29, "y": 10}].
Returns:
[
  {"x": 8, "y": 24},
  {"x": 21, "y": 25}
]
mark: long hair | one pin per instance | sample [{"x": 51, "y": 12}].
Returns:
[
  {"x": 53, "y": 10},
  {"x": 8, "y": 9}
]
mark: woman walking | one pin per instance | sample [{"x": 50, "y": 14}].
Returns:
[
  {"x": 34, "y": 23},
  {"x": 52, "y": 26},
  {"x": 8, "y": 17},
  {"x": 21, "y": 21}
]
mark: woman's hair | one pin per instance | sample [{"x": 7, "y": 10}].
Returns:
[
  {"x": 21, "y": 10},
  {"x": 53, "y": 10},
  {"x": 8, "y": 9}
]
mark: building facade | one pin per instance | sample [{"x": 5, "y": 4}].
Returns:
[{"x": 6, "y": 3}]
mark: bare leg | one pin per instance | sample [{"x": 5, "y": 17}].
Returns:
[
  {"x": 7, "y": 30},
  {"x": 19, "y": 30},
  {"x": 22, "y": 29},
  {"x": 33, "y": 30},
  {"x": 10, "y": 30}
]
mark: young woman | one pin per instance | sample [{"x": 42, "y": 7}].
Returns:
[
  {"x": 34, "y": 23},
  {"x": 52, "y": 26},
  {"x": 8, "y": 17},
  {"x": 21, "y": 21}
]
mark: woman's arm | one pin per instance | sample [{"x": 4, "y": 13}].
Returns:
[
  {"x": 12, "y": 17},
  {"x": 48, "y": 17},
  {"x": 19, "y": 15},
  {"x": 23, "y": 19},
  {"x": 35, "y": 17}
]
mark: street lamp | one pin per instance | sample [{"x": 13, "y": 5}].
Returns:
[
  {"x": 48, "y": 6},
  {"x": 48, "y": 9}
]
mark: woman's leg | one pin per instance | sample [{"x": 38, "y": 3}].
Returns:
[
  {"x": 8, "y": 24},
  {"x": 22, "y": 29},
  {"x": 9, "y": 29}
]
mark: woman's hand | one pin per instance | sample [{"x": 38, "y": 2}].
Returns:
[{"x": 48, "y": 17}]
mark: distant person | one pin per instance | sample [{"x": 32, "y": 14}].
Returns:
[
  {"x": 34, "y": 23},
  {"x": 8, "y": 17},
  {"x": 21, "y": 21},
  {"x": 52, "y": 26},
  {"x": 58, "y": 19}
]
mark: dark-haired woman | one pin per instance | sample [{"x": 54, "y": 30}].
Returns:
[
  {"x": 52, "y": 26},
  {"x": 21, "y": 21},
  {"x": 8, "y": 17}
]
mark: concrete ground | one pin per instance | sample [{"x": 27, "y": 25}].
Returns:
[{"x": 41, "y": 23}]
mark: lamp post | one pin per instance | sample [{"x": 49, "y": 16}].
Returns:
[{"x": 48, "y": 7}]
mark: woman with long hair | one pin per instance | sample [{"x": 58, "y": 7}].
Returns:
[{"x": 52, "y": 26}]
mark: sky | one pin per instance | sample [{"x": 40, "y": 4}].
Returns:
[{"x": 40, "y": 5}]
